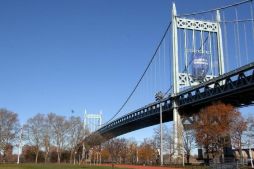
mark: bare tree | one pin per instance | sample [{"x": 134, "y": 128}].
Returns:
[
  {"x": 114, "y": 148},
  {"x": 189, "y": 143},
  {"x": 76, "y": 134},
  {"x": 248, "y": 136},
  {"x": 47, "y": 137},
  {"x": 168, "y": 141},
  {"x": 34, "y": 133},
  {"x": 8, "y": 128},
  {"x": 59, "y": 128},
  {"x": 236, "y": 133}
]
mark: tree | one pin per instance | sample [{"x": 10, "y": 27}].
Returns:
[
  {"x": 47, "y": 137},
  {"x": 132, "y": 151},
  {"x": 236, "y": 133},
  {"x": 168, "y": 141},
  {"x": 213, "y": 126},
  {"x": 147, "y": 152},
  {"x": 113, "y": 146},
  {"x": 189, "y": 143},
  {"x": 34, "y": 133},
  {"x": 8, "y": 153},
  {"x": 28, "y": 154},
  {"x": 59, "y": 128},
  {"x": 8, "y": 128},
  {"x": 123, "y": 150},
  {"x": 76, "y": 134},
  {"x": 105, "y": 155}
]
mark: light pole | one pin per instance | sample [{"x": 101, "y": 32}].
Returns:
[
  {"x": 159, "y": 96},
  {"x": 20, "y": 144}
]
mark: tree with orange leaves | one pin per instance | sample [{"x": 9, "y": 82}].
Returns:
[{"x": 212, "y": 129}]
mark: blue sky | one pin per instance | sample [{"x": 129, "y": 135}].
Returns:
[{"x": 63, "y": 55}]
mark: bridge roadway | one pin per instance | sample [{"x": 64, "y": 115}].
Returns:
[{"x": 235, "y": 87}]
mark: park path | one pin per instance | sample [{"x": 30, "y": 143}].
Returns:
[{"x": 142, "y": 167}]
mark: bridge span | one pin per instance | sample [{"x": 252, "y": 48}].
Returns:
[{"x": 235, "y": 87}]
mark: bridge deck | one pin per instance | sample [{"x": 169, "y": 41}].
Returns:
[{"x": 235, "y": 87}]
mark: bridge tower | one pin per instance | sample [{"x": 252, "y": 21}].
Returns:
[
  {"x": 92, "y": 121},
  {"x": 199, "y": 39}
]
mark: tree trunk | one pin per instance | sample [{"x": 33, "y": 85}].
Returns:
[
  {"x": 58, "y": 158},
  {"x": 46, "y": 157},
  {"x": 207, "y": 157},
  {"x": 36, "y": 157},
  {"x": 188, "y": 158},
  {"x": 71, "y": 157},
  {"x": 241, "y": 153}
]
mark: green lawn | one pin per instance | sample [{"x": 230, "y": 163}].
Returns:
[{"x": 49, "y": 166}]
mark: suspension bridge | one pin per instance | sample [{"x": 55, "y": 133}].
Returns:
[{"x": 202, "y": 57}]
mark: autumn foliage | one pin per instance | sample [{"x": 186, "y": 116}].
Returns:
[{"x": 212, "y": 129}]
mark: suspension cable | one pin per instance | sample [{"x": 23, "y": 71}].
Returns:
[
  {"x": 245, "y": 42},
  {"x": 142, "y": 76},
  {"x": 234, "y": 21},
  {"x": 215, "y": 9}
]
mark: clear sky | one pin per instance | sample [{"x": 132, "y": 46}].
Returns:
[{"x": 63, "y": 55}]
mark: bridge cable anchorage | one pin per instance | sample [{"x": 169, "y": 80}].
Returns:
[
  {"x": 142, "y": 76},
  {"x": 215, "y": 9}
]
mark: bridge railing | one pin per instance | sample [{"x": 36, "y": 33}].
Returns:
[{"x": 227, "y": 82}]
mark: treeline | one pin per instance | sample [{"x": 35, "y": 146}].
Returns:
[
  {"x": 54, "y": 138},
  {"x": 50, "y": 137}
]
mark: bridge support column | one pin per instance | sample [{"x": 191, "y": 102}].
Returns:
[
  {"x": 178, "y": 131},
  {"x": 177, "y": 119}
]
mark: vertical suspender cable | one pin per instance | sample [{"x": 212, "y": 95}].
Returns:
[
  {"x": 215, "y": 52},
  {"x": 179, "y": 51},
  {"x": 238, "y": 38},
  {"x": 210, "y": 51},
  {"x": 170, "y": 61},
  {"x": 186, "y": 56},
  {"x": 235, "y": 40},
  {"x": 193, "y": 41},
  {"x": 225, "y": 41},
  {"x": 155, "y": 75},
  {"x": 164, "y": 62},
  {"x": 185, "y": 50},
  {"x": 193, "y": 45},
  {"x": 159, "y": 70},
  {"x": 202, "y": 40},
  {"x": 245, "y": 42},
  {"x": 252, "y": 17}
]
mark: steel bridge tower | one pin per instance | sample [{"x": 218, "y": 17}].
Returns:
[
  {"x": 183, "y": 79},
  {"x": 92, "y": 122}
]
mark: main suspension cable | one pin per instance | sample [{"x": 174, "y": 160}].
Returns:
[
  {"x": 215, "y": 9},
  {"x": 142, "y": 76}
]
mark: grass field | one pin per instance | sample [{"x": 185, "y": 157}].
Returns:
[{"x": 49, "y": 166}]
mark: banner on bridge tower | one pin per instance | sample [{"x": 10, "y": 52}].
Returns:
[{"x": 200, "y": 65}]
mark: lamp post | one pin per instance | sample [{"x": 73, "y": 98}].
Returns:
[
  {"x": 159, "y": 96},
  {"x": 20, "y": 144}
]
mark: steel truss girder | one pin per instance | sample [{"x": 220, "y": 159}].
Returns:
[
  {"x": 227, "y": 83},
  {"x": 197, "y": 25},
  {"x": 234, "y": 81}
]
